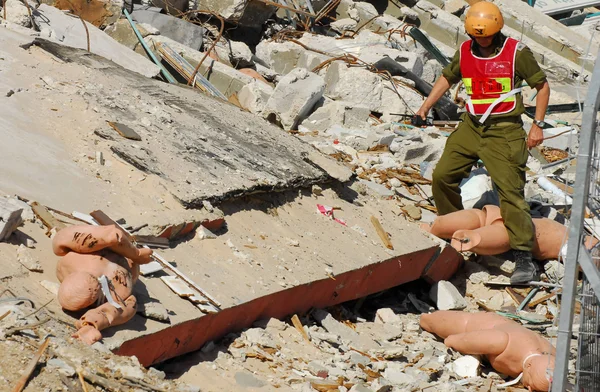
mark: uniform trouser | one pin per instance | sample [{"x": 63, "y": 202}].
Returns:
[{"x": 502, "y": 148}]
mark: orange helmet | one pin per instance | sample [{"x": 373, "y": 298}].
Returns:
[{"x": 483, "y": 19}]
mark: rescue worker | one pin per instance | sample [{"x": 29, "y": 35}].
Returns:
[{"x": 492, "y": 68}]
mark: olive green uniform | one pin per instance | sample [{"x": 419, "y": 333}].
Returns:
[{"x": 501, "y": 145}]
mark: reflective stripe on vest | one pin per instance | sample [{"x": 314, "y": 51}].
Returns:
[{"x": 488, "y": 79}]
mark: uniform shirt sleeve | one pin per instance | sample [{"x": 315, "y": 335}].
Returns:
[
  {"x": 527, "y": 68},
  {"x": 452, "y": 71}
]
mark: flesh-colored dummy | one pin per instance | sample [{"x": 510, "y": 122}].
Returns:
[
  {"x": 491, "y": 237},
  {"x": 90, "y": 252},
  {"x": 510, "y": 348}
]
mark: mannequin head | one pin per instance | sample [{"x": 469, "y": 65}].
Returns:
[
  {"x": 535, "y": 372},
  {"x": 78, "y": 291}
]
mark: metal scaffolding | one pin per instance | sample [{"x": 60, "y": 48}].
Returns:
[{"x": 586, "y": 200}]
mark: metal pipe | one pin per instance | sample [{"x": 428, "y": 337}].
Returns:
[{"x": 586, "y": 146}]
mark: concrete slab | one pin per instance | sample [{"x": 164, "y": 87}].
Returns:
[
  {"x": 179, "y": 30},
  {"x": 276, "y": 278},
  {"x": 201, "y": 148},
  {"x": 55, "y": 24}
]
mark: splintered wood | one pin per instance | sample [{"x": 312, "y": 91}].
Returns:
[
  {"x": 298, "y": 325},
  {"x": 46, "y": 217},
  {"x": 31, "y": 367},
  {"x": 382, "y": 233}
]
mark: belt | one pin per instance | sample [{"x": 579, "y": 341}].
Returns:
[{"x": 510, "y": 120}]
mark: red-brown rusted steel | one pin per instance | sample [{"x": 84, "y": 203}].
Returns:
[
  {"x": 193, "y": 334},
  {"x": 444, "y": 266}
]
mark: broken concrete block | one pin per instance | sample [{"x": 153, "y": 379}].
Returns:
[
  {"x": 432, "y": 69},
  {"x": 398, "y": 378},
  {"x": 311, "y": 60},
  {"x": 245, "y": 12},
  {"x": 27, "y": 259},
  {"x": 122, "y": 32},
  {"x": 346, "y": 24},
  {"x": 356, "y": 116},
  {"x": 10, "y": 219},
  {"x": 294, "y": 97},
  {"x": 235, "y": 53},
  {"x": 53, "y": 23},
  {"x": 226, "y": 79},
  {"x": 446, "y": 296},
  {"x": 260, "y": 336},
  {"x": 16, "y": 12},
  {"x": 378, "y": 190},
  {"x": 466, "y": 366},
  {"x": 347, "y": 334},
  {"x": 387, "y": 316},
  {"x": 337, "y": 112},
  {"x": 100, "y": 13},
  {"x": 353, "y": 85},
  {"x": 282, "y": 57},
  {"x": 254, "y": 96},
  {"x": 177, "y": 29}
]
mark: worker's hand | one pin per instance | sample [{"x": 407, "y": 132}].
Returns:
[
  {"x": 422, "y": 112},
  {"x": 536, "y": 137}
]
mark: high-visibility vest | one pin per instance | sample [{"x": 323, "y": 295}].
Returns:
[{"x": 489, "y": 81}]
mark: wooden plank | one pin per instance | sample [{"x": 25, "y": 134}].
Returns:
[
  {"x": 518, "y": 298},
  {"x": 46, "y": 217},
  {"x": 28, "y": 371},
  {"x": 125, "y": 131},
  {"x": 382, "y": 233},
  {"x": 298, "y": 325},
  {"x": 152, "y": 240},
  {"x": 545, "y": 298}
]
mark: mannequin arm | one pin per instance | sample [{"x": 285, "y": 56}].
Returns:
[
  {"x": 89, "y": 239},
  {"x": 102, "y": 317},
  {"x": 483, "y": 342}
]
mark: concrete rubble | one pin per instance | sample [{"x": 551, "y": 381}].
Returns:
[{"x": 306, "y": 114}]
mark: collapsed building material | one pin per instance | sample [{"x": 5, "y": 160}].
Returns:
[
  {"x": 185, "y": 33},
  {"x": 234, "y": 53},
  {"x": 354, "y": 85},
  {"x": 444, "y": 107},
  {"x": 10, "y": 218},
  {"x": 16, "y": 12},
  {"x": 244, "y": 12},
  {"x": 186, "y": 70},
  {"x": 254, "y": 96},
  {"x": 100, "y": 13},
  {"x": 227, "y": 80},
  {"x": 123, "y": 33},
  {"x": 69, "y": 31},
  {"x": 294, "y": 97}
]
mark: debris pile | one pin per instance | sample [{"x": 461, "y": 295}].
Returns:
[{"x": 344, "y": 78}]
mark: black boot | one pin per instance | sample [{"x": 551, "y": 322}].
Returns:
[{"x": 525, "y": 268}]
